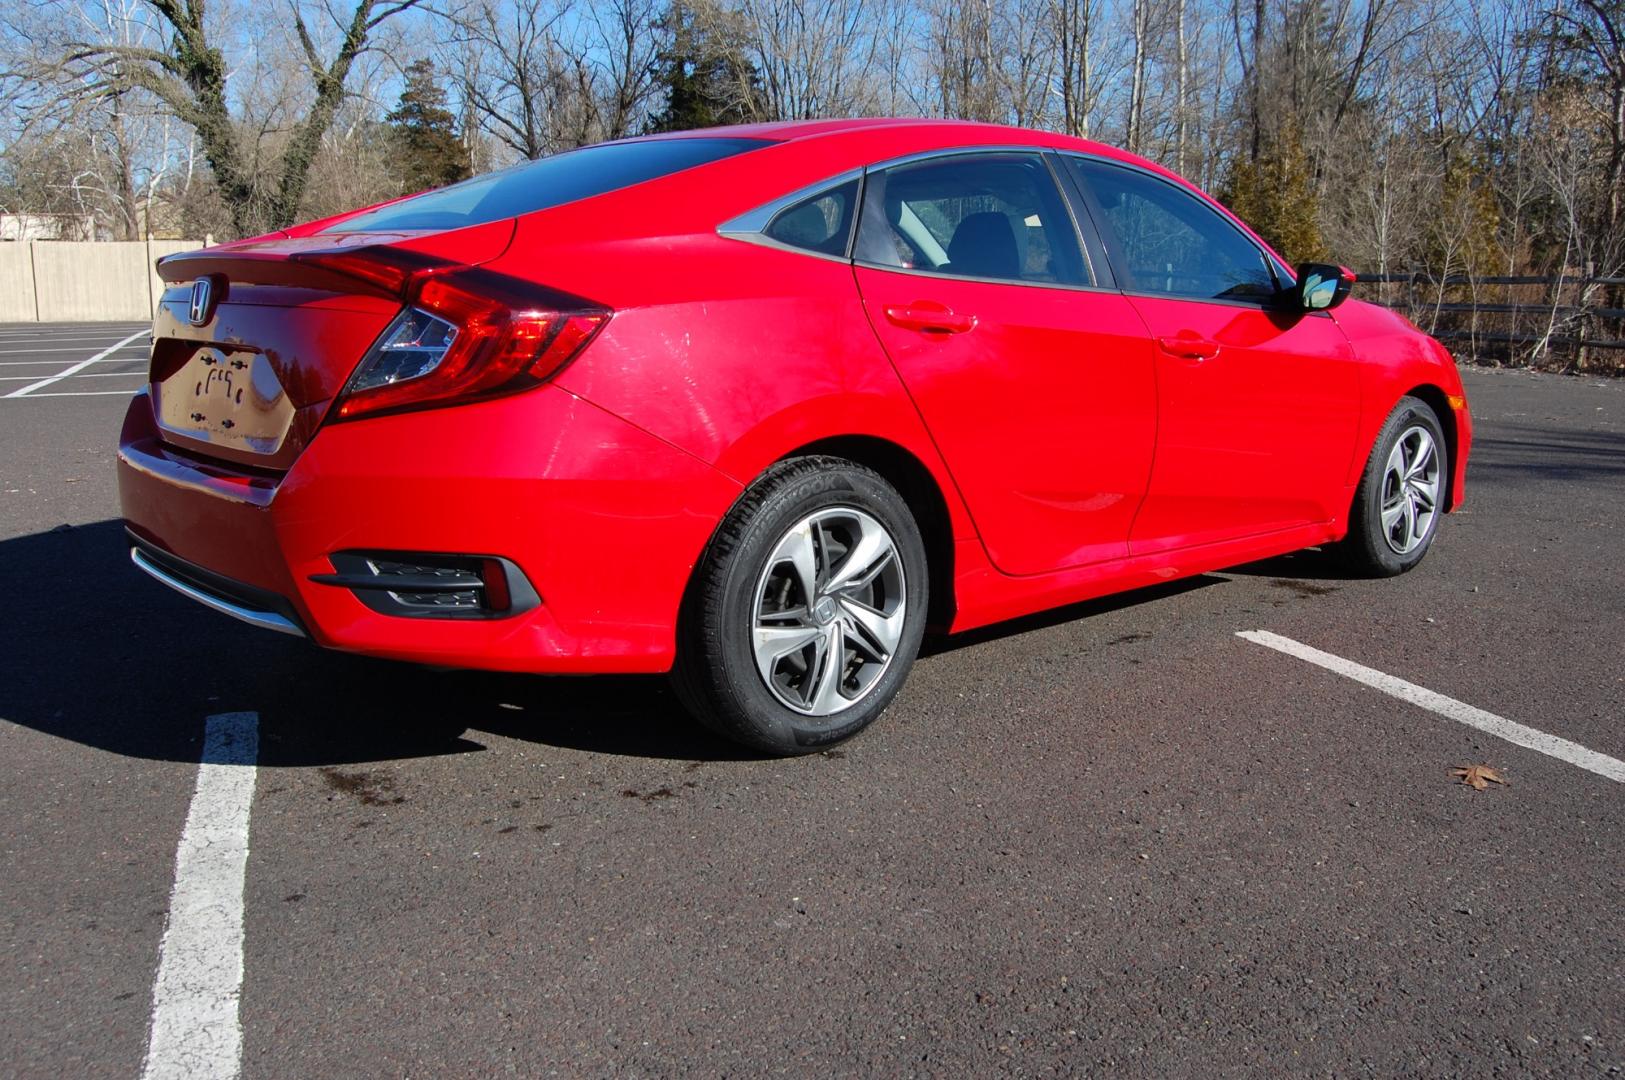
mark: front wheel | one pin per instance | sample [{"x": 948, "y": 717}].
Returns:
[
  {"x": 1401, "y": 496},
  {"x": 807, "y": 609}
]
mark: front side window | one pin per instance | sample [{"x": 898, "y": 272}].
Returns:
[
  {"x": 992, "y": 216},
  {"x": 821, "y": 222},
  {"x": 1173, "y": 244}
]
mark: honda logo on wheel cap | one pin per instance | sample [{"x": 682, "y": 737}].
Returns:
[{"x": 202, "y": 298}]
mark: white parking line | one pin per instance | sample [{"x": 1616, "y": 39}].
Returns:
[
  {"x": 65, "y": 348},
  {"x": 32, "y": 363},
  {"x": 75, "y": 368},
  {"x": 1448, "y": 707},
  {"x": 79, "y": 393},
  {"x": 110, "y": 334},
  {"x": 196, "y": 1031},
  {"x": 82, "y": 375}
]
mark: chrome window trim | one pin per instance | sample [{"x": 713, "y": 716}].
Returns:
[
  {"x": 1040, "y": 152},
  {"x": 752, "y": 225},
  {"x": 762, "y": 240},
  {"x": 955, "y": 151},
  {"x": 984, "y": 280}
]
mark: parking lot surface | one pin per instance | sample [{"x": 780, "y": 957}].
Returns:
[{"x": 1115, "y": 838}]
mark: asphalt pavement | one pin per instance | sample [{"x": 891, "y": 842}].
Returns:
[{"x": 1113, "y": 839}]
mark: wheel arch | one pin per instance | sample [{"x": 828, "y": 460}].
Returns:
[
  {"x": 1437, "y": 400},
  {"x": 919, "y": 488}
]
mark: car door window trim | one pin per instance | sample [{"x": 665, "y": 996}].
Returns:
[
  {"x": 1101, "y": 271},
  {"x": 875, "y": 180},
  {"x": 1283, "y": 276}
]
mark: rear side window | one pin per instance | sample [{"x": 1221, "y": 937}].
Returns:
[
  {"x": 821, "y": 223},
  {"x": 1174, "y": 244},
  {"x": 546, "y": 183},
  {"x": 991, "y": 216}
]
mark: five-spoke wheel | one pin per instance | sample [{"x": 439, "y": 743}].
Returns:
[
  {"x": 1402, "y": 493},
  {"x": 830, "y": 611},
  {"x": 1410, "y": 490},
  {"x": 807, "y": 610}
]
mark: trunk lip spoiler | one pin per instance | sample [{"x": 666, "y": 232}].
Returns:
[{"x": 318, "y": 261}]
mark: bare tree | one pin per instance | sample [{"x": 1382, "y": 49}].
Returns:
[
  {"x": 813, "y": 57},
  {"x": 514, "y": 73},
  {"x": 1074, "y": 32},
  {"x": 175, "y": 58}
]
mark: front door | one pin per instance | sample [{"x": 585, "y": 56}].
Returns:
[{"x": 1258, "y": 402}]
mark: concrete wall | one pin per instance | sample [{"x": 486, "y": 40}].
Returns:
[
  {"x": 17, "y": 283},
  {"x": 73, "y": 281}
]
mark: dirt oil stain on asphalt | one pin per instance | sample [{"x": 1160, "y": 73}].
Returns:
[{"x": 369, "y": 788}]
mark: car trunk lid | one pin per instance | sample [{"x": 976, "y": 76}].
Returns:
[{"x": 253, "y": 341}]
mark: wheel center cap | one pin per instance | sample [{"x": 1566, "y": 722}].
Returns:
[{"x": 824, "y": 611}]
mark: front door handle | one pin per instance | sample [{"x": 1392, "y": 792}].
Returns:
[
  {"x": 1189, "y": 347},
  {"x": 929, "y": 318}
]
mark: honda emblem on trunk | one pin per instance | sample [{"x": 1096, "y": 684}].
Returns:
[{"x": 202, "y": 294}]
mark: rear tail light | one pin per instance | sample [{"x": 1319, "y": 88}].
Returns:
[
  {"x": 453, "y": 344},
  {"x": 412, "y": 346}
]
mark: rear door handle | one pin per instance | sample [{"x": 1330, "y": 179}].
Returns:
[
  {"x": 930, "y": 319},
  {"x": 1189, "y": 347}
]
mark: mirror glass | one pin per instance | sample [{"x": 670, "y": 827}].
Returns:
[{"x": 1319, "y": 290}]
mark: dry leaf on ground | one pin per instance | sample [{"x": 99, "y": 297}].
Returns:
[{"x": 1478, "y": 776}]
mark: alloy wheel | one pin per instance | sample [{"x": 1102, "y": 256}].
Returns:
[
  {"x": 829, "y": 611},
  {"x": 1410, "y": 490}
]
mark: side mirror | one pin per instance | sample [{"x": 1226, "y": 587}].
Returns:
[{"x": 1322, "y": 286}]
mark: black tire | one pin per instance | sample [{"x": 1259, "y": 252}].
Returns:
[
  {"x": 716, "y": 674},
  {"x": 1369, "y": 549}
]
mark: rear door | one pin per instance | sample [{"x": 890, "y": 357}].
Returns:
[
  {"x": 1035, "y": 381},
  {"x": 1258, "y": 401}
]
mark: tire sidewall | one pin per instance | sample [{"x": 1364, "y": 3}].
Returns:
[
  {"x": 1410, "y": 412},
  {"x": 776, "y": 726}
]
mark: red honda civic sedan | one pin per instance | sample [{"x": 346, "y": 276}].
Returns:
[{"x": 758, "y": 405}]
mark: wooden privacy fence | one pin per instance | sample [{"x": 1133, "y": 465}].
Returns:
[{"x": 1565, "y": 323}]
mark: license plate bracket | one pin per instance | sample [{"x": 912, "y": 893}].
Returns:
[{"x": 229, "y": 398}]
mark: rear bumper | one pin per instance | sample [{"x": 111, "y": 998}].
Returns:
[{"x": 603, "y": 519}]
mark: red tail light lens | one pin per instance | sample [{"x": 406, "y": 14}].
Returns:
[{"x": 452, "y": 345}]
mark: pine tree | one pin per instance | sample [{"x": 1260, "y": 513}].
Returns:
[
  {"x": 428, "y": 153},
  {"x": 1463, "y": 234},
  {"x": 705, "y": 85},
  {"x": 1275, "y": 194}
]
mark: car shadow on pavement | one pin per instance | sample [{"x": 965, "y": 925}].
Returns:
[
  {"x": 97, "y": 653},
  {"x": 1550, "y": 453},
  {"x": 940, "y": 644},
  {"x": 1310, "y": 564}
]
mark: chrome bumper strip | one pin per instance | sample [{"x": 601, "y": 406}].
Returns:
[{"x": 265, "y": 620}]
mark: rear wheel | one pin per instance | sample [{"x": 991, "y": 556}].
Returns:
[
  {"x": 807, "y": 609},
  {"x": 1401, "y": 495}
]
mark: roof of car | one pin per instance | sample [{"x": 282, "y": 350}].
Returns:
[{"x": 950, "y": 132}]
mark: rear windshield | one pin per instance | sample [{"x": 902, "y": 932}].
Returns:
[{"x": 548, "y": 182}]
